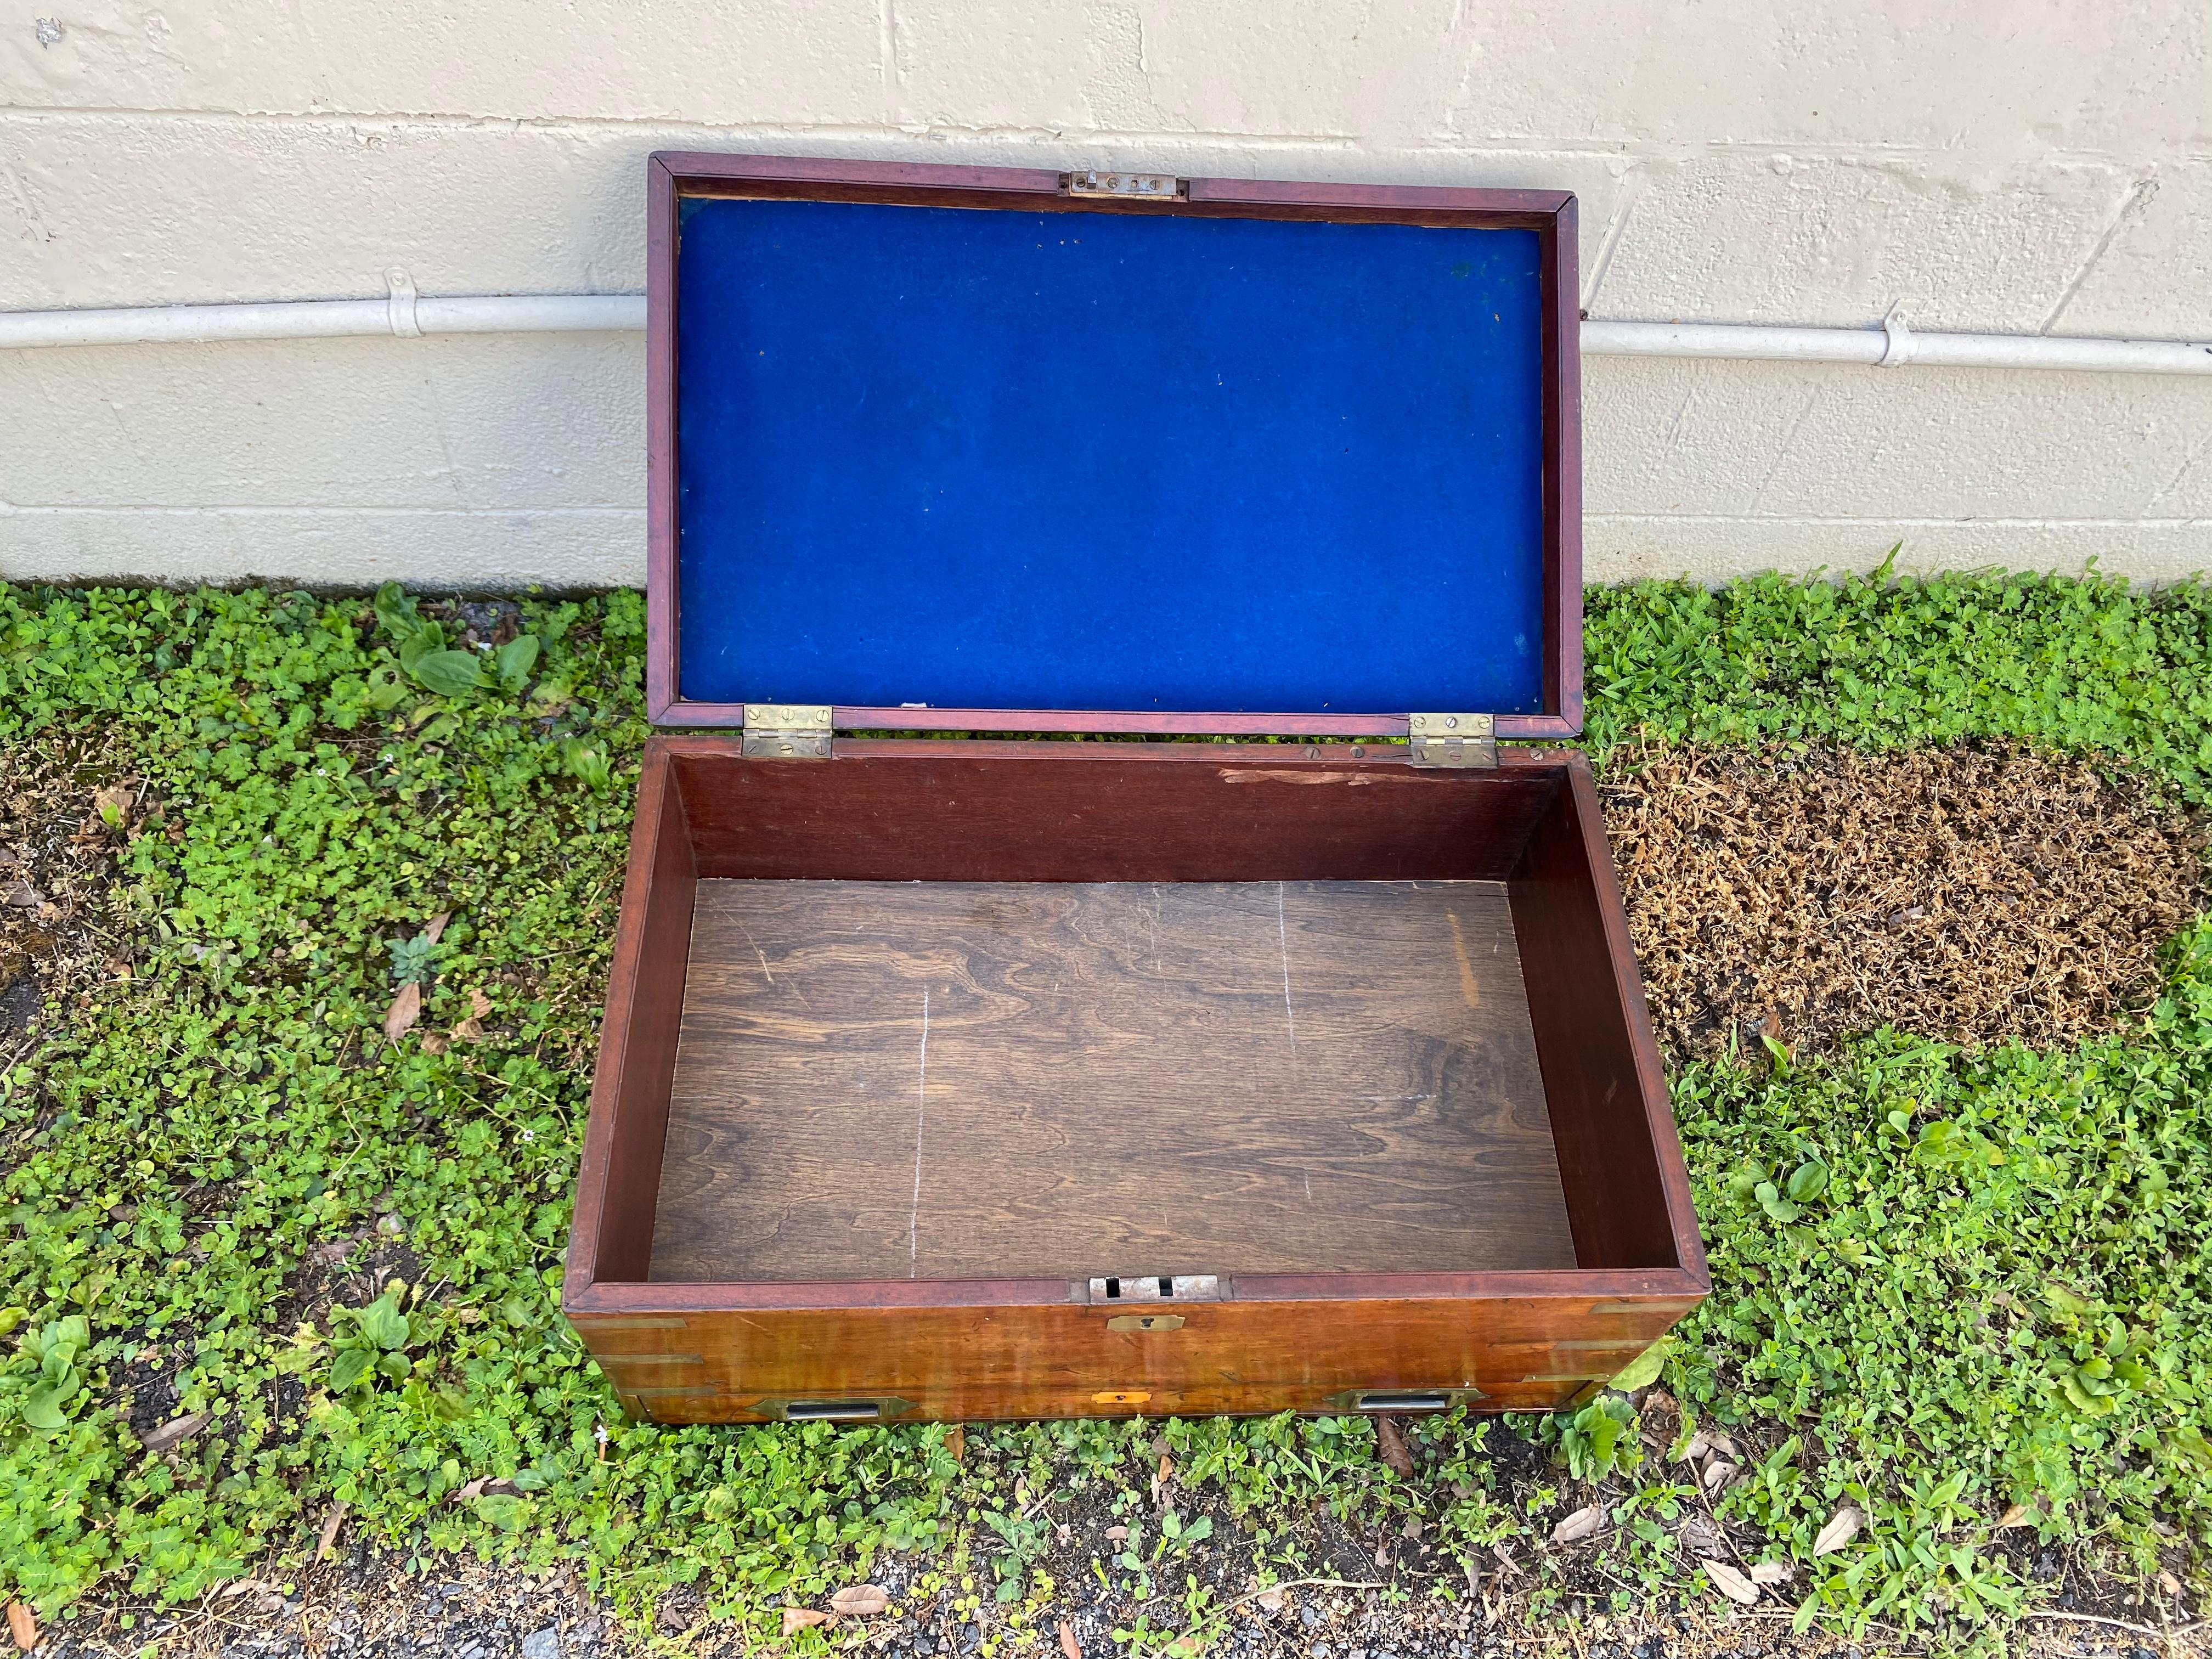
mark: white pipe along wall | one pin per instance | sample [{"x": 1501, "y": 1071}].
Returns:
[
  {"x": 407, "y": 315},
  {"x": 1814, "y": 197}
]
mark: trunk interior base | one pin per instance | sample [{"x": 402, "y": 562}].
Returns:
[{"x": 971, "y": 1079}]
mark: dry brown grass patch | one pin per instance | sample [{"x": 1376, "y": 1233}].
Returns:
[{"x": 1977, "y": 893}]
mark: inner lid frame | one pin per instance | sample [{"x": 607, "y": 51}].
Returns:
[{"x": 673, "y": 175}]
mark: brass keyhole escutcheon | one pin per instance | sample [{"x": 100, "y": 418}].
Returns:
[{"x": 1145, "y": 1322}]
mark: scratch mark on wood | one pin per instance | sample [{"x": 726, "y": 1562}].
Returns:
[
  {"x": 921, "y": 1115},
  {"x": 1248, "y": 775},
  {"x": 765, "y": 974},
  {"x": 1467, "y": 987},
  {"x": 1283, "y": 933}
]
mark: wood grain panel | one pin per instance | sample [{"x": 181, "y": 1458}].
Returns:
[
  {"x": 946, "y": 1080},
  {"x": 1620, "y": 1154},
  {"x": 971, "y": 1362},
  {"x": 1066, "y": 811},
  {"x": 612, "y": 1237}
]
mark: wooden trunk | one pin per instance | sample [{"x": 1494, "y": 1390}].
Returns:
[
  {"x": 970, "y": 1079},
  {"x": 965, "y": 1080}
]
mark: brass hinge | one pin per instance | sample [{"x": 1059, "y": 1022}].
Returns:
[
  {"x": 782, "y": 731},
  {"x": 1463, "y": 740},
  {"x": 1137, "y": 186}
]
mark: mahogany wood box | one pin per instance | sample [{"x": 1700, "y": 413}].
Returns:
[{"x": 967, "y": 1077}]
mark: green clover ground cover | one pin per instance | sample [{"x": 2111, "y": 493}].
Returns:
[{"x": 1944, "y": 1283}]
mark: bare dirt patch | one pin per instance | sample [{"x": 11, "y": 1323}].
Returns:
[
  {"x": 57, "y": 863},
  {"x": 1978, "y": 894}
]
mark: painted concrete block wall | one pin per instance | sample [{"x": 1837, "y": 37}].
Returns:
[{"x": 2010, "y": 165}]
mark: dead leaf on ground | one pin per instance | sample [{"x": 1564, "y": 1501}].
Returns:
[
  {"x": 1719, "y": 1474},
  {"x": 956, "y": 1442},
  {"x": 176, "y": 1430},
  {"x": 24, "y": 897},
  {"x": 332, "y": 1522},
  {"x": 1585, "y": 1523},
  {"x": 436, "y": 926},
  {"x": 406, "y": 1008},
  {"x": 1731, "y": 1584},
  {"x": 1068, "y": 1645},
  {"x": 2018, "y": 1515},
  {"x": 117, "y": 800},
  {"x": 1842, "y": 1527},
  {"x": 861, "y": 1601},
  {"x": 1270, "y": 1599},
  {"x": 479, "y": 1004},
  {"x": 796, "y": 1619},
  {"x": 468, "y": 1030},
  {"x": 1698, "y": 1447},
  {"x": 22, "y": 1626},
  {"x": 1772, "y": 1573},
  {"x": 1390, "y": 1443},
  {"x": 433, "y": 1043},
  {"x": 473, "y": 1490}
]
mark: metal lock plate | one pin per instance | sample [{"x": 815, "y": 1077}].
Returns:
[
  {"x": 1177, "y": 1287},
  {"x": 1453, "y": 740},
  {"x": 1127, "y": 186}
]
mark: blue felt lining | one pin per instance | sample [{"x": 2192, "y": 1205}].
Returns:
[{"x": 1010, "y": 460}]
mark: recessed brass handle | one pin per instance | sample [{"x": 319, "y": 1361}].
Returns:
[
  {"x": 1394, "y": 1401},
  {"x": 861, "y": 1410},
  {"x": 1416, "y": 1400}
]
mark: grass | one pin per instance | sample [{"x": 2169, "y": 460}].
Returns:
[{"x": 1946, "y": 1283}]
